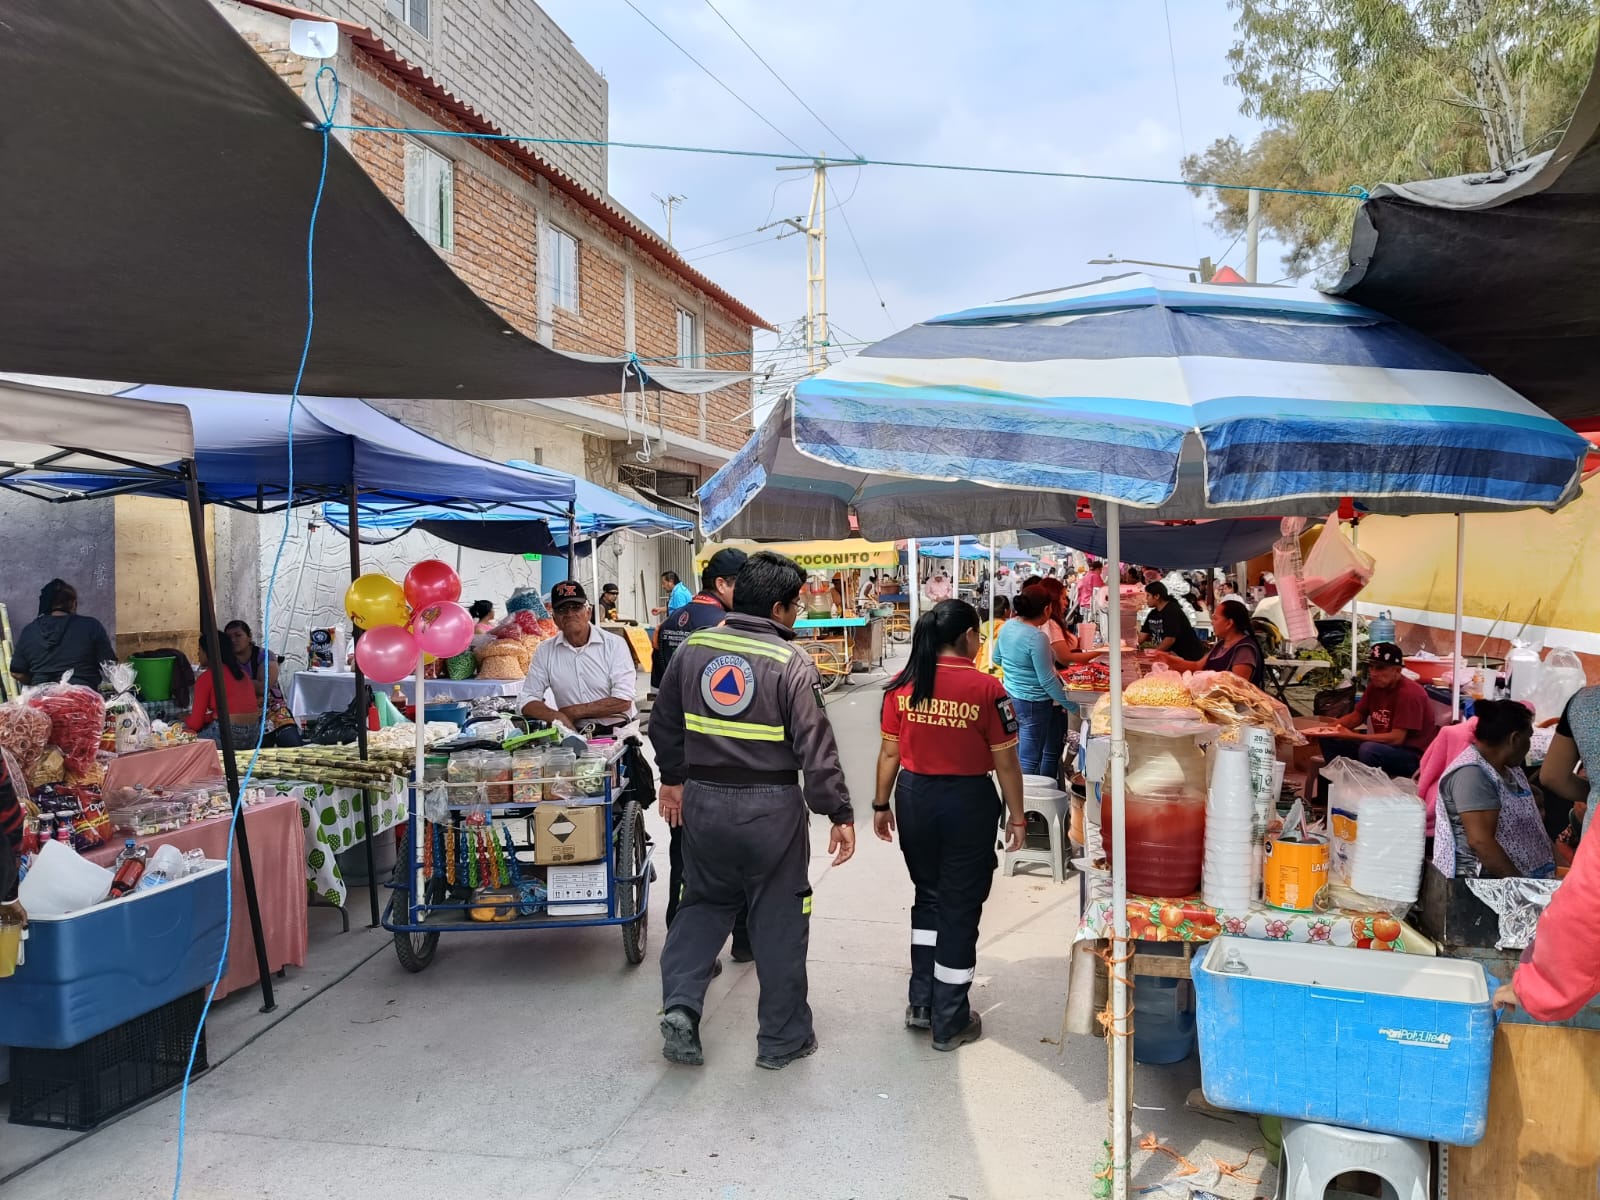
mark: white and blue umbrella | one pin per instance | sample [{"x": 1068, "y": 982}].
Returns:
[{"x": 1182, "y": 400}]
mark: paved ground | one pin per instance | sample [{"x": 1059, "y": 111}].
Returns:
[{"x": 525, "y": 1066}]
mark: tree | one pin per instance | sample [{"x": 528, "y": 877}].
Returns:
[{"x": 1359, "y": 92}]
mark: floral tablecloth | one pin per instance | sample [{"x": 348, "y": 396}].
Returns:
[
  {"x": 332, "y": 819},
  {"x": 1155, "y": 920}
]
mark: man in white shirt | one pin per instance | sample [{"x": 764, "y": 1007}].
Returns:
[{"x": 587, "y": 672}]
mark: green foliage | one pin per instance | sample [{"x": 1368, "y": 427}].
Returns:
[{"x": 1360, "y": 92}]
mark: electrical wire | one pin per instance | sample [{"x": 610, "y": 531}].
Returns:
[
  {"x": 714, "y": 76},
  {"x": 850, "y": 229},
  {"x": 773, "y": 72},
  {"x": 1177, "y": 103}
]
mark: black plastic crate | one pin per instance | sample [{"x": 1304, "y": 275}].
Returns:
[{"x": 86, "y": 1084}]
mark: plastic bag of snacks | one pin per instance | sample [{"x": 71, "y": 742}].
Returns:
[
  {"x": 1232, "y": 702},
  {"x": 25, "y": 732},
  {"x": 77, "y": 719},
  {"x": 126, "y": 721},
  {"x": 1162, "y": 688}
]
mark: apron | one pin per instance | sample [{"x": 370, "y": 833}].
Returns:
[{"x": 1520, "y": 831}]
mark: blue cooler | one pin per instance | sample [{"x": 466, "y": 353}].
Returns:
[
  {"x": 1392, "y": 1043},
  {"x": 89, "y": 971}
]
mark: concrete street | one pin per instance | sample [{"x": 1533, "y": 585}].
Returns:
[{"x": 527, "y": 1066}]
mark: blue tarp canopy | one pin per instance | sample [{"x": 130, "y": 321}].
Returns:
[
  {"x": 971, "y": 548},
  {"x": 510, "y": 529},
  {"x": 1177, "y": 545},
  {"x": 242, "y": 445}
]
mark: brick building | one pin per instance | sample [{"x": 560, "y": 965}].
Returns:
[{"x": 537, "y": 237}]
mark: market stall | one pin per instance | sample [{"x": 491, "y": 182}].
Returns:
[{"x": 1347, "y": 411}]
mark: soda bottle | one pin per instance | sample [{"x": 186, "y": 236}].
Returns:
[{"x": 130, "y": 868}]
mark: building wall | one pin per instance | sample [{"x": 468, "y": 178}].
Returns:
[
  {"x": 510, "y": 61},
  {"x": 40, "y": 541},
  {"x": 158, "y": 597}
]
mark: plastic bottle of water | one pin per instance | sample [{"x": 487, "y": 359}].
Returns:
[{"x": 1382, "y": 629}]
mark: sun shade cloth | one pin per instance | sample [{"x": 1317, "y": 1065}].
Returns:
[
  {"x": 1500, "y": 267},
  {"x": 971, "y": 548},
  {"x": 600, "y": 513},
  {"x": 241, "y": 446},
  {"x": 1285, "y": 399},
  {"x": 161, "y": 231},
  {"x": 56, "y": 430},
  {"x": 1173, "y": 545}
]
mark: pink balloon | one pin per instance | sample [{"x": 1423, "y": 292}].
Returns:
[
  {"x": 387, "y": 654},
  {"x": 443, "y": 629},
  {"x": 431, "y": 582}
]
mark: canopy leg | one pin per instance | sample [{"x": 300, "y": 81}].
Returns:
[
  {"x": 230, "y": 761},
  {"x": 913, "y": 583},
  {"x": 1461, "y": 585},
  {"x": 1117, "y": 1035}
]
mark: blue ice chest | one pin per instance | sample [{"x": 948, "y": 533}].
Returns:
[
  {"x": 91, "y": 970},
  {"x": 1392, "y": 1043}
]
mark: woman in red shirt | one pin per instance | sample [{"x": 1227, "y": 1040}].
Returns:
[
  {"x": 244, "y": 704},
  {"x": 946, "y": 725}
]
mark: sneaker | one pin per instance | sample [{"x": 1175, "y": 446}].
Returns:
[
  {"x": 971, "y": 1033},
  {"x": 680, "y": 1033},
  {"x": 777, "y": 1062},
  {"x": 919, "y": 1016}
]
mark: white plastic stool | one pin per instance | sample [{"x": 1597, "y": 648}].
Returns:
[
  {"x": 1053, "y": 807},
  {"x": 1315, "y": 1155}
]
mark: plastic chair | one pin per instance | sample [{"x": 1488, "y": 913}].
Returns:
[
  {"x": 1315, "y": 1155},
  {"x": 1053, "y": 807}
]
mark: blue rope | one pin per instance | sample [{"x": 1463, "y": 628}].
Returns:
[
  {"x": 1355, "y": 192},
  {"x": 330, "y": 106}
]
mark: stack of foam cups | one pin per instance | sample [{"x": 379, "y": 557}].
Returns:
[{"x": 1228, "y": 877}]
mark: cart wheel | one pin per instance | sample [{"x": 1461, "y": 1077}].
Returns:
[
  {"x": 415, "y": 950},
  {"x": 831, "y": 667},
  {"x": 630, "y": 858},
  {"x": 900, "y": 629}
]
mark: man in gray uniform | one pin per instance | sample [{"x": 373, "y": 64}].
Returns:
[{"x": 739, "y": 716}]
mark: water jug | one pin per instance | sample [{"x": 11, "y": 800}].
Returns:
[
  {"x": 1163, "y": 1025},
  {"x": 1382, "y": 628},
  {"x": 1166, "y": 814},
  {"x": 1523, "y": 666}
]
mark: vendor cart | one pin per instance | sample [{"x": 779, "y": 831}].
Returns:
[{"x": 425, "y": 901}]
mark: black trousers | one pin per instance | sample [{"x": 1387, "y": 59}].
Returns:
[
  {"x": 947, "y": 829},
  {"x": 741, "y": 923},
  {"x": 745, "y": 846}
]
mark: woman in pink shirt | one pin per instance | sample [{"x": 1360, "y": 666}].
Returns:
[
  {"x": 1563, "y": 972},
  {"x": 1092, "y": 578}
]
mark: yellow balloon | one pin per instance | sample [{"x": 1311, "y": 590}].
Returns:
[{"x": 375, "y": 600}]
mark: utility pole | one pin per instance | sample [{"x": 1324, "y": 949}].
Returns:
[
  {"x": 670, "y": 202},
  {"x": 815, "y": 226},
  {"x": 1252, "y": 235}
]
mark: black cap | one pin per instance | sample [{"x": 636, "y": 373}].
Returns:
[
  {"x": 1385, "y": 654},
  {"x": 725, "y": 563},
  {"x": 567, "y": 593}
]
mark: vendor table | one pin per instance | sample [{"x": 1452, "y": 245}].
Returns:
[
  {"x": 315, "y": 692},
  {"x": 332, "y": 821},
  {"x": 164, "y": 767},
  {"x": 277, "y": 851},
  {"x": 1285, "y": 673},
  {"x": 1155, "y": 920}
]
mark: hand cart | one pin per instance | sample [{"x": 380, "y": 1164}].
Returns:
[{"x": 423, "y": 903}]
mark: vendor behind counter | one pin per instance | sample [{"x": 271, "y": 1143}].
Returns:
[
  {"x": 61, "y": 640},
  {"x": 1487, "y": 823}
]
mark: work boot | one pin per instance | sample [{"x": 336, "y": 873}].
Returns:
[
  {"x": 680, "y": 1033},
  {"x": 919, "y": 1016},
  {"x": 971, "y": 1033},
  {"x": 742, "y": 952},
  {"x": 777, "y": 1062}
]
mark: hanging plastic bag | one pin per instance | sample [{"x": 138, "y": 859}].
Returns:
[
  {"x": 1290, "y": 573},
  {"x": 1336, "y": 571},
  {"x": 1561, "y": 676},
  {"x": 125, "y": 716},
  {"x": 388, "y": 714}
]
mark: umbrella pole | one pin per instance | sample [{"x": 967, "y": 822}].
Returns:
[
  {"x": 993, "y": 583},
  {"x": 1117, "y": 1043},
  {"x": 230, "y": 757},
  {"x": 353, "y": 506},
  {"x": 913, "y": 584},
  {"x": 1355, "y": 608},
  {"x": 594, "y": 566},
  {"x": 1461, "y": 586}
]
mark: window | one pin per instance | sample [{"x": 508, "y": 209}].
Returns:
[
  {"x": 563, "y": 268},
  {"x": 413, "y": 12},
  {"x": 688, "y": 338},
  {"x": 430, "y": 199}
]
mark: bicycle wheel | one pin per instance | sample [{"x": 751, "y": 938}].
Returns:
[
  {"x": 830, "y": 664},
  {"x": 415, "y": 950},
  {"x": 629, "y": 859}
]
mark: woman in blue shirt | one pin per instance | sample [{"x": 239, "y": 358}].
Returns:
[{"x": 1031, "y": 681}]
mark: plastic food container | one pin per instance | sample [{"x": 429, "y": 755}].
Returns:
[
  {"x": 527, "y": 775},
  {"x": 144, "y": 820},
  {"x": 560, "y": 774},
  {"x": 590, "y": 772},
  {"x": 494, "y": 770}
]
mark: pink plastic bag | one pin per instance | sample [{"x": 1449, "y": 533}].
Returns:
[{"x": 1336, "y": 570}]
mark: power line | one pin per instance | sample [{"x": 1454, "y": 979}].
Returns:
[
  {"x": 1177, "y": 103},
  {"x": 773, "y": 72},
  {"x": 713, "y": 75},
  {"x": 850, "y": 229}
]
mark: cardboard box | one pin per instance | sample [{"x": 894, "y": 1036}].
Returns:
[
  {"x": 568, "y": 833},
  {"x": 577, "y": 891}
]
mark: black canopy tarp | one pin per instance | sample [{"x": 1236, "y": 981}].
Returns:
[
  {"x": 159, "y": 184},
  {"x": 1500, "y": 268}
]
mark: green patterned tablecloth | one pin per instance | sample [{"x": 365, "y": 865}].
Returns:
[{"x": 332, "y": 819}]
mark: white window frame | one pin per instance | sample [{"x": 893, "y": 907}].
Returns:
[
  {"x": 430, "y": 182},
  {"x": 691, "y": 349},
  {"x": 561, "y": 268},
  {"x": 412, "y": 13}
]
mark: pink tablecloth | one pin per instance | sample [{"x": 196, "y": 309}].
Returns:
[
  {"x": 277, "y": 850},
  {"x": 170, "y": 766}
]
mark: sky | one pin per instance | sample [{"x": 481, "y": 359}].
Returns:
[{"x": 1066, "y": 85}]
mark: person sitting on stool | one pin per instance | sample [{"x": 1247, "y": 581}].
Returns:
[{"x": 1395, "y": 711}]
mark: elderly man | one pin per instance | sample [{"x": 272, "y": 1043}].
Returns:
[{"x": 583, "y": 677}]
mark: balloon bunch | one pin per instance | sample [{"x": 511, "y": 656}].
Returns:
[{"x": 402, "y": 622}]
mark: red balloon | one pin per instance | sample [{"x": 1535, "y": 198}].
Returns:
[{"x": 432, "y": 582}]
